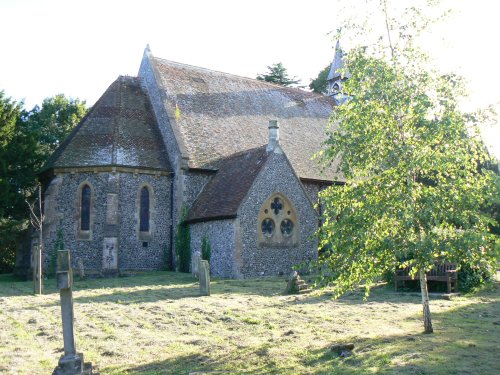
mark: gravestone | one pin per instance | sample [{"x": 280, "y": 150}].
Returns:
[
  {"x": 71, "y": 363},
  {"x": 296, "y": 285},
  {"x": 110, "y": 254},
  {"x": 204, "y": 277},
  {"x": 195, "y": 263},
  {"x": 81, "y": 269},
  {"x": 37, "y": 269}
]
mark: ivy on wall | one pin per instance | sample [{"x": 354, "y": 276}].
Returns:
[
  {"x": 206, "y": 249},
  {"x": 183, "y": 244}
]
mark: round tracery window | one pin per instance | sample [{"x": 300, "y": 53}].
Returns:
[
  {"x": 267, "y": 227},
  {"x": 286, "y": 227}
]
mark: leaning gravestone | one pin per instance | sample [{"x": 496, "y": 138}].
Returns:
[
  {"x": 71, "y": 363},
  {"x": 204, "y": 277}
]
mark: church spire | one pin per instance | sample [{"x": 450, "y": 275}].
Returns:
[{"x": 337, "y": 75}]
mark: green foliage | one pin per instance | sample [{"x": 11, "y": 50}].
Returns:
[
  {"x": 415, "y": 187},
  {"x": 470, "y": 277},
  {"x": 14, "y": 148},
  {"x": 27, "y": 138},
  {"x": 278, "y": 74},
  {"x": 10, "y": 223},
  {"x": 206, "y": 249},
  {"x": 183, "y": 243},
  {"x": 319, "y": 84},
  {"x": 53, "y": 121}
]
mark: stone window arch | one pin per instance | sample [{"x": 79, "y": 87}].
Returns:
[
  {"x": 85, "y": 210},
  {"x": 145, "y": 208},
  {"x": 278, "y": 223}
]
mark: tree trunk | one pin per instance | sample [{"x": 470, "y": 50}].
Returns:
[
  {"x": 425, "y": 303},
  {"x": 37, "y": 257}
]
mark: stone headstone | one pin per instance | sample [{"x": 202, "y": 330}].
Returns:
[
  {"x": 204, "y": 277},
  {"x": 81, "y": 269},
  {"x": 71, "y": 363},
  {"x": 195, "y": 263},
  {"x": 296, "y": 285},
  {"x": 110, "y": 253}
]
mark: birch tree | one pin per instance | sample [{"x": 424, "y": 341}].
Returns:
[{"x": 415, "y": 188}]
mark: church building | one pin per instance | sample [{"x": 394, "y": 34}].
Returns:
[{"x": 229, "y": 156}]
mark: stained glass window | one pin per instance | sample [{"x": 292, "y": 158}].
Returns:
[
  {"x": 277, "y": 206},
  {"x": 286, "y": 227},
  {"x": 267, "y": 227},
  {"x": 144, "y": 210},
  {"x": 85, "y": 208}
]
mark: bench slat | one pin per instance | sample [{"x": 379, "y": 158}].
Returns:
[{"x": 445, "y": 272}]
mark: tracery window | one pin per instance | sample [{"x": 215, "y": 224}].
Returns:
[
  {"x": 144, "y": 210},
  {"x": 85, "y": 202},
  {"x": 267, "y": 227},
  {"x": 278, "y": 222},
  {"x": 286, "y": 227}
]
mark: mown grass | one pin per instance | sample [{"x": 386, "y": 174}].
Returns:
[{"x": 157, "y": 323}]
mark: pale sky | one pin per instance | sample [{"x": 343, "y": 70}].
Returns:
[{"x": 79, "y": 48}]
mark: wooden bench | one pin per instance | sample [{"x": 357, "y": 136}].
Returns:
[{"x": 446, "y": 272}]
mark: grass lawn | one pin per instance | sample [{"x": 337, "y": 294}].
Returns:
[{"x": 157, "y": 323}]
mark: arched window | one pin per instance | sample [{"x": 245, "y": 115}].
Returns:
[
  {"x": 278, "y": 222},
  {"x": 144, "y": 210},
  {"x": 85, "y": 207}
]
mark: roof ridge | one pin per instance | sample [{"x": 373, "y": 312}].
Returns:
[
  {"x": 243, "y": 77},
  {"x": 117, "y": 141},
  {"x": 62, "y": 147}
]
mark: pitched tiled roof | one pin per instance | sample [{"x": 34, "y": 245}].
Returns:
[
  {"x": 119, "y": 130},
  {"x": 223, "y": 195},
  {"x": 218, "y": 114}
]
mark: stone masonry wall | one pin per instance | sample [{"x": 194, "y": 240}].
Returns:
[
  {"x": 275, "y": 177},
  {"x": 67, "y": 209},
  {"x": 312, "y": 191},
  {"x": 157, "y": 97},
  {"x": 221, "y": 234},
  {"x": 131, "y": 252},
  {"x": 194, "y": 183}
]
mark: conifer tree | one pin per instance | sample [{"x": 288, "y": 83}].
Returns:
[{"x": 278, "y": 74}]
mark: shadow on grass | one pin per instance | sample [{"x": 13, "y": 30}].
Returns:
[
  {"x": 465, "y": 341},
  {"x": 150, "y": 287},
  {"x": 242, "y": 361},
  {"x": 380, "y": 293}
]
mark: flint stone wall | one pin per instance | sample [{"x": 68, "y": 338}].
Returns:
[
  {"x": 312, "y": 190},
  {"x": 132, "y": 254},
  {"x": 194, "y": 182},
  {"x": 257, "y": 260},
  {"x": 221, "y": 235}
]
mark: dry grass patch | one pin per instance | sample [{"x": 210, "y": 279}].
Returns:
[{"x": 158, "y": 324}]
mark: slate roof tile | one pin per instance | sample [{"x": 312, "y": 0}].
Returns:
[
  {"x": 223, "y": 195},
  {"x": 219, "y": 114},
  {"x": 119, "y": 130}
]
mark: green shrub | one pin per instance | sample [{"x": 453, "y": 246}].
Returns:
[
  {"x": 206, "y": 249},
  {"x": 470, "y": 278},
  {"x": 11, "y": 232},
  {"x": 183, "y": 243}
]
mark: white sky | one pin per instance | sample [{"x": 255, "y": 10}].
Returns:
[{"x": 79, "y": 47}]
